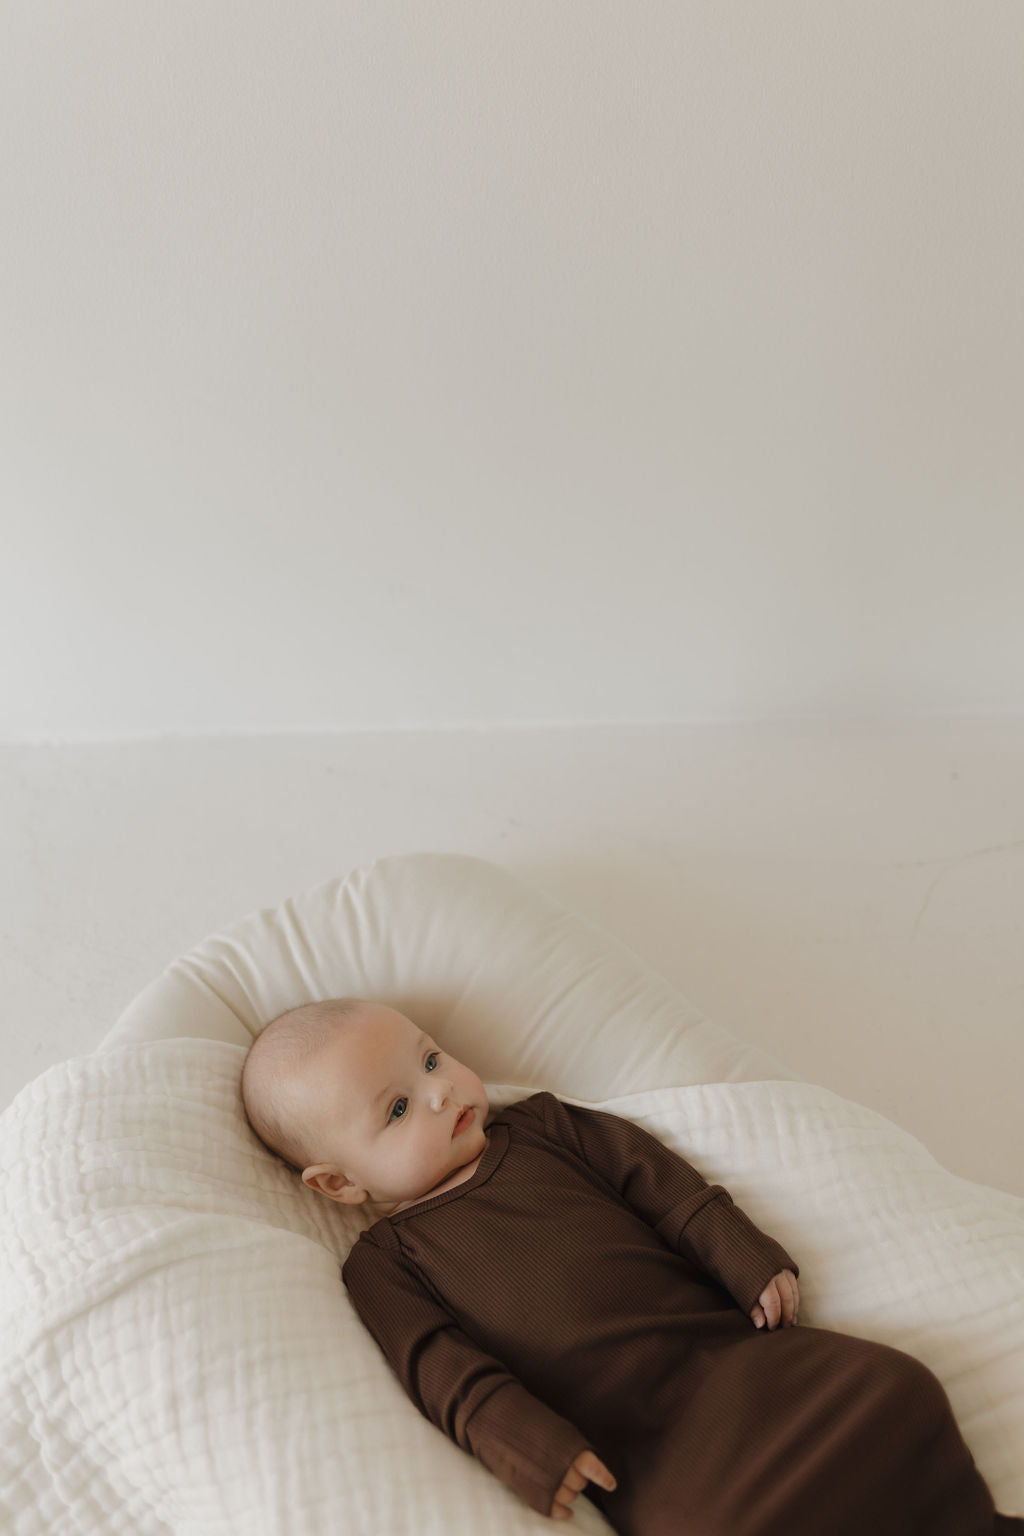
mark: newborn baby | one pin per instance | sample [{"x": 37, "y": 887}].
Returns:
[{"x": 569, "y": 1301}]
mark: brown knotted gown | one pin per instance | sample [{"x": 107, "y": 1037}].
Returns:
[{"x": 586, "y": 1288}]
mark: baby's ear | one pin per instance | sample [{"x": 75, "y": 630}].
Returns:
[{"x": 328, "y": 1181}]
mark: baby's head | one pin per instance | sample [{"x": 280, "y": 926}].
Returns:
[{"x": 361, "y": 1102}]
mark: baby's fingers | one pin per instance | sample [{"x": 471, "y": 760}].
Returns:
[
  {"x": 780, "y": 1302},
  {"x": 585, "y": 1467},
  {"x": 592, "y": 1468},
  {"x": 770, "y": 1309},
  {"x": 560, "y": 1505}
]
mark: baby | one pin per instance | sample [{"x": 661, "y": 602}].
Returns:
[{"x": 552, "y": 1285}]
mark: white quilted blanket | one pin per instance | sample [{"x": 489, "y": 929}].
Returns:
[{"x": 179, "y": 1353}]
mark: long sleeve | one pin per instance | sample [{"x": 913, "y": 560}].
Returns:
[
  {"x": 698, "y": 1220},
  {"x": 464, "y": 1391}
]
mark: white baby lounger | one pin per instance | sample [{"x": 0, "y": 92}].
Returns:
[{"x": 179, "y": 1352}]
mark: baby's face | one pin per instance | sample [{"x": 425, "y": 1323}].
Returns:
[{"x": 385, "y": 1106}]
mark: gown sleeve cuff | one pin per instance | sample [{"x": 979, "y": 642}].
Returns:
[
  {"x": 725, "y": 1241},
  {"x": 525, "y": 1444}
]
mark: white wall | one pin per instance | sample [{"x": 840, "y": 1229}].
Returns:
[{"x": 375, "y": 365}]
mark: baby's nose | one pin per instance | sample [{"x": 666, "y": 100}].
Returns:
[{"x": 441, "y": 1092}]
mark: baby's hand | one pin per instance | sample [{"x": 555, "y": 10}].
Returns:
[
  {"x": 586, "y": 1466},
  {"x": 780, "y": 1298}
]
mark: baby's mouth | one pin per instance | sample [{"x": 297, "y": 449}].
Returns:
[{"x": 463, "y": 1120}]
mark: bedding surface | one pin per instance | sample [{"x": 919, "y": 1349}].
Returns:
[{"x": 180, "y": 1354}]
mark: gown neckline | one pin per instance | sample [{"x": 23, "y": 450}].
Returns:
[{"x": 489, "y": 1160}]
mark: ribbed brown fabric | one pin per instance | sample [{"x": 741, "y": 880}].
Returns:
[{"x": 587, "y": 1288}]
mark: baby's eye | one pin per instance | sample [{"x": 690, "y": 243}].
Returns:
[{"x": 435, "y": 1055}]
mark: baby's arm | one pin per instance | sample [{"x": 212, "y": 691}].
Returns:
[
  {"x": 465, "y": 1392},
  {"x": 696, "y": 1219}
]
